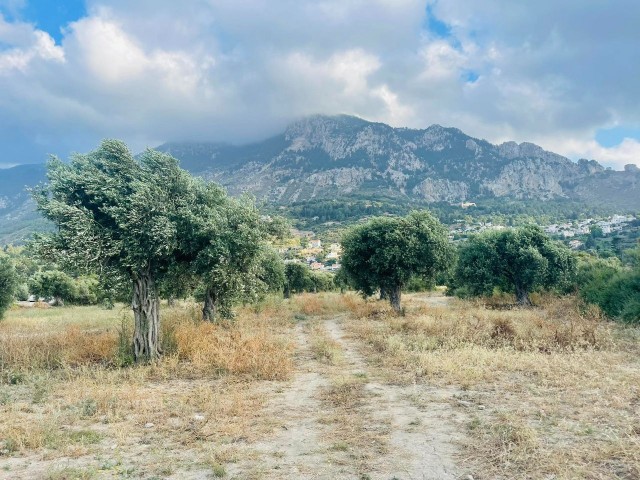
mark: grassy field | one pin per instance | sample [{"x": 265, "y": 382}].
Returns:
[{"x": 323, "y": 386}]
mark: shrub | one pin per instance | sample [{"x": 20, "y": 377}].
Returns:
[
  {"x": 8, "y": 283},
  {"x": 614, "y": 288}
]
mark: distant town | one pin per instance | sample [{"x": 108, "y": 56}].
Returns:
[{"x": 304, "y": 247}]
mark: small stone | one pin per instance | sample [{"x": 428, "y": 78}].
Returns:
[
  {"x": 148, "y": 425},
  {"x": 481, "y": 407},
  {"x": 198, "y": 418}
]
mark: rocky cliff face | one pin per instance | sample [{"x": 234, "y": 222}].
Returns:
[{"x": 325, "y": 157}]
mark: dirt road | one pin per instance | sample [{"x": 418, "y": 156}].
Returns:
[{"x": 340, "y": 421}]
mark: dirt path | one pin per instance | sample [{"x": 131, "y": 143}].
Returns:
[
  {"x": 384, "y": 432},
  {"x": 421, "y": 435},
  {"x": 295, "y": 449}
]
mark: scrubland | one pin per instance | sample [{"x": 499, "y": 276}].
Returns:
[{"x": 323, "y": 386}]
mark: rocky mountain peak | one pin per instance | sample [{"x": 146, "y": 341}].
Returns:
[{"x": 331, "y": 156}]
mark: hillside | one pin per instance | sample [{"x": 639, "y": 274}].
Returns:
[
  {"x": 327, "y": 157},
  {"x": 18, "y": 218},
  {"x": 322, "y": 158}
]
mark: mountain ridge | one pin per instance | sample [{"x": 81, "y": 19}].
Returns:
[
  {"x": 327, "y": 157},
  {"x": 323, "y": 156}
]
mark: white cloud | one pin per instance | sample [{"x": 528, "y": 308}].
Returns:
[
  {"x": 26, "y": 45},
  {"x": 627, "y": 152},
  {"x": 150, "y": 71}
]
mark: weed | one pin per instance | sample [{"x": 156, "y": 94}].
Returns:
[
  {"x": 69, "y": 473},
  {"x": 218, "y": 470},
  {"x": 324, "y": 348},
  {"x": 340, "y": 447}
]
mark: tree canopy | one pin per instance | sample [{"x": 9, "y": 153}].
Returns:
[
  {"x": 53, "y": 284},
  {"x": 385, "y": 253},
  {"x": 117, "y": 214},
  {"x": 514, "y": 260},
  {"x": 8, "y": 283}
]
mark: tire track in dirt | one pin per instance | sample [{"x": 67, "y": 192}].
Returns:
[
  {"x": 421, "y": 439},
  {"x": 296, "y": 449}
]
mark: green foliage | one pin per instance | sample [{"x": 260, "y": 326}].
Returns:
[
  {"x": 419, "y": 284},
  {"x": 517, "y": 261},
  {"x": 271, "y": 271},
  {"x": 612, "y": 286},
  {"x": 298, "y": 278},
  {"x": 87, "y": 291},
  {"x": 322, "y": 281},
  {"x": 21, "y": 292},
  {"x": 113, "y": 211},
  {"x": 385, "y": 253},
  {"x": 53, "y": 284},
  {"x": 8, "y": 283},
  {"x": 341, "y": 280}
]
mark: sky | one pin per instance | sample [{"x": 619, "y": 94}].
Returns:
[{"x": 563, "y": 75}]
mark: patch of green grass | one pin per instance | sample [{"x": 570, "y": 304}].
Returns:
[
  {"x": 83, "y": 437},
  {"x": 218, "y": 470},
  {"x": 340, "y": 447},
  {"x": 70, "y": 473}
]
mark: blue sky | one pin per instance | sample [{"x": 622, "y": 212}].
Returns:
[
  {"x": 49, "y": 16},
  {"x": 560, "y": 74}
]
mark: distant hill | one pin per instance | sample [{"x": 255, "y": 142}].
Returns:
[
  {"x": 323, "y": 157},
  {"x": 18, "y": 218},
  {"x": 328, "y": 157}
]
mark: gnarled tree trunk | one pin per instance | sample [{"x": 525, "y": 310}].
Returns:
[
  {"x": 523, "y": 296},
  {"x": 146, "y": 313},
  {"x": 384, "y": 294},
  {"x": 394, "y": 298},
  {"x": 209, "y": 309}
]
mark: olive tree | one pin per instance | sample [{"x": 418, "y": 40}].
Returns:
[
  {"x": 116, "y": 214},
  {"x": 271, "y": 271},
  {"x": 516, "y": 261},
  {"x": 297, "y": 278},
  {"x": 224, "y": 247},
  {"x": 8, "y": 283},
  {"x": 53, "y": 284},
  {"x": 385, "y": 253}
]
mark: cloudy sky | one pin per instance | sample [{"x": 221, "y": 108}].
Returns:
[{"x": 565, "y": 75}]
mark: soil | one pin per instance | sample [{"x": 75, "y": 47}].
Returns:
[{"x": 415, "y": 428}]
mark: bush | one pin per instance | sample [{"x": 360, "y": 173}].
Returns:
[
  {"x": 322, "y": 282},
  {"x": 8, "y": 283},
  {"x": 614, "y": 288},
  {"x": 21, "y": 293},
  {"x": 86, "y": 291},
  {"x": 53, "y": 284},
  {"x": 419, "y": 284}
]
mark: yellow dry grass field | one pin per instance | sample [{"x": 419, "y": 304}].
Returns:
[
  {"x": 71, "y": 406},
  {"x": 548, "y": 392},
  {"x": 323, "y": 386}
]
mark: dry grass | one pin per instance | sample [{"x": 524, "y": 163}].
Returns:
[
  {"x": 321, "y": 303},
  {"x": 324, "y": 348},
  {"x": 248, "y": 345},
  {"x": 550, "y": 392},
  {"x": 63, "y": 394},
  {"x": 356, "y": 436}
]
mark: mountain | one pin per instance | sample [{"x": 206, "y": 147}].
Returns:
[
  {"x": 18, "y": 218},
  {"x": 324, "y": 157},
  {"x": 328, "y": 157}
]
